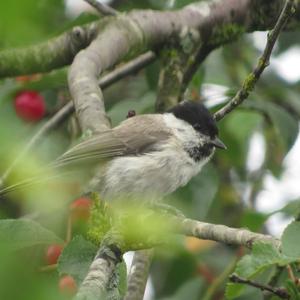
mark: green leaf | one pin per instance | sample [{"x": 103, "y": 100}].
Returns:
[
  {"x": 285, "y": 125},
  {"x": 263, "y": 255},
  {"x": 291, "y": 240},
  {"x": 23, "y": 233},
  {"x": 76, "y": 258},
  {"x": 291, "y": 209},
  {"x": 253, "y": 220},
  {"x": 293, "y": 290},
  {"x": 182, "y": 3},
  {"x": 236, "y": 132},
  {"x": 24, "y": 22},
  {"x": 190, "y": 290}
]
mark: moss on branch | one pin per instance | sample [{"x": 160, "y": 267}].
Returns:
[
  {"x": 46, "y": 56},
  {"x": 228, "y": 22}
]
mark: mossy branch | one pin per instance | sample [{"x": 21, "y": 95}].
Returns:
[
  {"x": 46, "y": 56},
  {"x": 249, "y": 83}
]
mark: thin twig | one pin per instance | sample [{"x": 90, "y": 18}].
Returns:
[
  {"x": 138, "y": 275},
  {"x": 280, "y": 292},
  {"x": 102, "y": 8},
  {"x": 129, "y": 68},
  {"x": 250, "y": 81}
]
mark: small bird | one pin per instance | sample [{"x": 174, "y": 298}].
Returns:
[{"x": 146, "y": 156}]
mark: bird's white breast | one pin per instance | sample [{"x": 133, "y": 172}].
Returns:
[{"x": 158, "y": 173}]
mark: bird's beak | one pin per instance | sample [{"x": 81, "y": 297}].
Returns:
[{"x": 218, "y": 143}]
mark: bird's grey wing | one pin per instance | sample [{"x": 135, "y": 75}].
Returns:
[
  {"x": 142, "y": 133},
  {"x": 133, "y": 136},
  {"x": 100, "y": 147}
]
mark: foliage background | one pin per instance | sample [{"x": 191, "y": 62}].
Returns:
[{"x": 225, "y": 192}]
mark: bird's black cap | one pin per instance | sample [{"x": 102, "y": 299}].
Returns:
[{"x": 196, "y": 114}]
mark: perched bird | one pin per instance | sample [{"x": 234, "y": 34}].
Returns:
[{"x": 146, "y": 156}]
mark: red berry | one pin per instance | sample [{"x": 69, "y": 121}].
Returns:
[
  {"x": 67, "y": 285},
  {"x": 52, "y": 254},
  {"x": 30, "y": 106},
  {"x": 80, "y": 209}
]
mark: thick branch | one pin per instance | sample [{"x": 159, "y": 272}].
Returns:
[
  {"x": 95, "y": 283},
  {"x": 52, "y": 54},
  {"x": 224, "y": 234},
  {"x": 138, "y": 275},
  {"x": 250, "y": 15},
  {"x": 137, "y": 30},
  {"x": 176, "y": 58}
]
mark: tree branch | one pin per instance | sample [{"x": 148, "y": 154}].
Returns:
[
  {"x": 250, "y": 81},
  {"x": 95, "y": 283},
  {"x": 176, "y": 57},
  {"x": 280, "y": 292},
  {"x": 137, "y": 30},
  {"x": 102, "y": 8},
  {"x": 52, "y": 54},
  {"x": 248, "y": 15},
  {"x": 138, "y": 275},
  {"x": 223, "y": 234}
]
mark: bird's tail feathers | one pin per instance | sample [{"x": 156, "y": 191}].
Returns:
[{"x": 27, "y": 183}]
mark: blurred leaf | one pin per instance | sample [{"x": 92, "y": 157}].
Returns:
[
  {"x": 293, "y": 290},
  {"x": 190, "y": 290},
  {"x": 173, "y": 271},
  {"x": 152, "y": 75},
  {"x": 285, "y": 125},
  {"x": 23, "y": 233},
  {"x": 82, "y": 19},
  {"x": 76, "y": 258},
  {"x": 236, "y": 133},
  {"x": 213, "y": 64},
  {"x": 20, "y": 279},
  {"x": 199, "y": 193},
  {"x": 286, "y": 40},
  {"x": 291, "y": 240},
  {"x": 159, "y": 4},
  {"x": 23, "y": 22},
  {"x": 122, "y": 273},
  {"x": 198, "y": 79},
  {"x": 53, "y": 80},
  {"x": 291, "y": 209},
  {"x": 181, "y": 3},
  {"x": 263, "y": 255},
  {"x": 142, "y": 105},
  {"x": 253, "y": 220}
]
